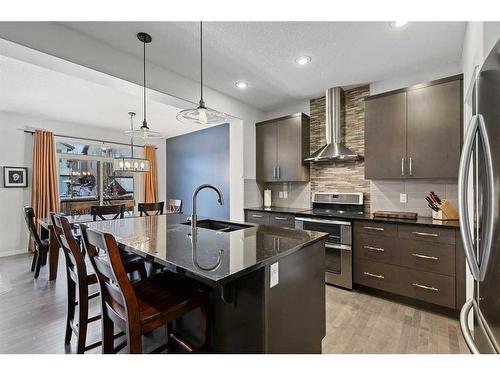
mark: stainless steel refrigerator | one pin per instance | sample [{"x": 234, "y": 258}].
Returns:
[{"x": 479, "y": 206}]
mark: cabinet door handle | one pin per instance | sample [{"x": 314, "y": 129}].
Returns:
[
  {"x": 381, "y": 277},
  {"x": 379, "y": 249},
  {"x": 428, "y": 257},
  {"x": 281, "y": 218},
  {"x": 402, "y": 166},
  {"x": 426, "y": 234},
  {"x": 279, "y": 173},
  {"x": 258, "y": 216},
  {"x": 411, "y": 168},
  {"x": 425, "y": 287},
  {"x": 374, "y": 228},
  {"x": 275, "y": 173}
]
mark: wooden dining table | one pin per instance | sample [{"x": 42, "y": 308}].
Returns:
[{"x": 47, "y": 232}]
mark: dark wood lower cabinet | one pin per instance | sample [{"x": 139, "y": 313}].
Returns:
[{"x": 419, "y": 262}]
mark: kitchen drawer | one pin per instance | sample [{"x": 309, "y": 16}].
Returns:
[
  {"x": 257, "y": 217},
  {"x": 282, "y": 220},
  {"x": 378, "y": 248},
  {"x": 376, "y": 275},
  {"x": 427, "y": 256},
  {"x": 376, "y": 228},
  {"x": 423, "y": 233},
  {"x": 428, "y": 287}
]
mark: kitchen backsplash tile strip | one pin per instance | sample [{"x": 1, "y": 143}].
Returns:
[{"x": 342, "y": 177}]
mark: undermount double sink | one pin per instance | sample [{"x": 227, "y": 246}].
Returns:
[{"x": 218, "y": 226}]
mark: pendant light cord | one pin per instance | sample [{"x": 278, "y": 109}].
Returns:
[
  {"x": 201, "y": 64},
  {"x": 132, "y": 137},
  {"x": 144, "y": 123}
]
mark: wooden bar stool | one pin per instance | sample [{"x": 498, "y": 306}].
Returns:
[
  {"x": 141, "y": 308},
  {"x": 102, "y": 211},
  {"x": 40, "y": 247},
  {"x": 79, "y": 279},
  {"x": 147, "y": 208}
]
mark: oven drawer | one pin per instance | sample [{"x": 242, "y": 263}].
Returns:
[
  {"x": 378, "y": 248},
  {"x": 427, "y": 256},
  {"x": 430, "y": 234},
  {"x": 257, "y": 217},
  {"x": 282, "y": 220},
  {"x": 376, "y": 228},
  {"x": 376, "y": 275}
]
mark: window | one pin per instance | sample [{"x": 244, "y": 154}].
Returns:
[{"x": 87, "y": 178}]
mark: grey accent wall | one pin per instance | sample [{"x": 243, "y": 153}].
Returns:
[{"x": 199, "y": 158}]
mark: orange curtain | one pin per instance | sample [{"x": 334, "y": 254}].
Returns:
[
  {"x": 150, "y": 178},
  {"x": 44, "y": 192}
]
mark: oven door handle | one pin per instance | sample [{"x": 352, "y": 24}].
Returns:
[
  {"x": 337, "y": 246},
  {"x": 322, "y": 221}
]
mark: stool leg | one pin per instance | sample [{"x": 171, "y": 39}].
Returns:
[
  {"x": 107, "y": 334},
  {"x": 38, "y": 264},
  {"x": 83, "y": 315},
  {"x": 33, "y": 263},
  {"x": 134, "y": 340}
]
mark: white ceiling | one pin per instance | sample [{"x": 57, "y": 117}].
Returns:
[
  {"x": 263, "y": 53},
  {"x": 99, "y": 100}
]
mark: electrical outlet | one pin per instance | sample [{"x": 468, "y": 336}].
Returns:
[
  {"x": 280, "y": 194},
  {"x": 403, "y": 198},
  {"x": 285, "y": 194}
]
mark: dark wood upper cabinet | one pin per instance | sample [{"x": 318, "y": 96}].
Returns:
[
  {"x": 433, "y": 131},
  {"x": 385, "y": 137},
  {"x": 282, "y": 145},
  {"x": 414, "y": 132}
]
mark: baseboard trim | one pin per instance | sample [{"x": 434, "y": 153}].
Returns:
[{"x": 13, "y": 252}]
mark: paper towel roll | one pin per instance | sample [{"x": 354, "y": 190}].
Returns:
[{"x": 267, "y": 198}]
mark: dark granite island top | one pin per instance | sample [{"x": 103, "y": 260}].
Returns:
[
  {"x": 214, "y": 258},
  {"x": 264, "y": 280}
]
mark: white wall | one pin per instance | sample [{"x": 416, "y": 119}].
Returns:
[
  {"x": 288, "y": 109},
  {"x": 16, "y": 149}
]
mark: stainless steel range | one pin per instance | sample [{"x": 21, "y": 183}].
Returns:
[{"x": 333, "y": 213}]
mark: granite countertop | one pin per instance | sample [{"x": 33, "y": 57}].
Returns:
[
  {"x": 280, "y": 210},
  {"x": 421, "y": 220},
  {"x": 212, "y": 257}
]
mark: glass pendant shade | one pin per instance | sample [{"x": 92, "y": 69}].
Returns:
[
  {"x": 143, "y": 133},
  {"x": 126, "y": 164},
  {"x": 202, "y": 116}
]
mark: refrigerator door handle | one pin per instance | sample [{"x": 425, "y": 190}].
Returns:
[
  {"x": 489, "y": 203},
  {"x": 463, "y": 216},
  {"x": 464, "y": 326}
]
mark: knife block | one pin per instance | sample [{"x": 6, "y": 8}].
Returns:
[{"x": 446, "y": 212}]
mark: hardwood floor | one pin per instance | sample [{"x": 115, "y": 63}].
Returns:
[
  {"x": 361, "y": 323},
  {"x": 32, "y": 318}
]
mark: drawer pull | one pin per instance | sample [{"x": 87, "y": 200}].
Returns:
[
  {"x": 428, "y": 257},
  {"x": 374, "y": 248},
  {"x": 281, "y": 218},
  {"x": 374, "y": 275},
  {"x": 374, "y": 228},
  {"x": 426, "y": 234},
  {"x": 425, "y": 287},
  {"x": 257, "y": 216}
]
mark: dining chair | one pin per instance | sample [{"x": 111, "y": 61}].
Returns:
[
  {"x": 143, "y": 307},
  {"x": 175, "y": 205},
  {"x": 147, "y": 208},
  {"x": 79, "y": 279},
  {"x": 40, "y": 247},
  {"x": 102, "y": 211}
]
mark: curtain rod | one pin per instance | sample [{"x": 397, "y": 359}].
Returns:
[{"x": 86, "y": 139}]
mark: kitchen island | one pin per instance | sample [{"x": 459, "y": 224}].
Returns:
[{"x": 267, "y": 282}]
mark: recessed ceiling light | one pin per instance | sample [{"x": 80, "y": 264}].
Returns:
[
  {"x": 303, "y": 60},
  {"x": 241, "y": 85},
  {"x": 397, "y": 24}
]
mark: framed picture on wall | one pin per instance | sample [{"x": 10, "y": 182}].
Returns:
[{"x": 15, "y": 177}]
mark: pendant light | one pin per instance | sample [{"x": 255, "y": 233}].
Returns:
[
  {"x": 144, "y": 132},
  {"x": 131, "y": 164},
  {"x": 202, "y": 115}
]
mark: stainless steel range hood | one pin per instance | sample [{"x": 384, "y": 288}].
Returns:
[{"x": 334, "y": 150}]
